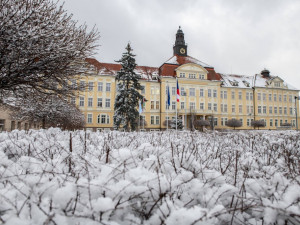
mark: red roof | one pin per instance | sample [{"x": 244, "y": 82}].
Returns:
[{"x": 147, "y": 73}]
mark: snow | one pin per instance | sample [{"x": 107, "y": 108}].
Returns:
[{"x": 247, "y": 177}]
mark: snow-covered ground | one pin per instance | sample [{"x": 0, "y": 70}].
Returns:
[{"x": 60, "y": 177}]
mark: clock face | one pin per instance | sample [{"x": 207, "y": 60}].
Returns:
[{"x": 182, "y": 50}]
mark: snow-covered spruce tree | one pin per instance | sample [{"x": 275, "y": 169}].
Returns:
[
  {"x": 179, "y": 124},
  {"x": 41, "y": 48},
  {"x": 128, "y": 96}
]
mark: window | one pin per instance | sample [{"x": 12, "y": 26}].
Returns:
[
  {"x": 90, "y": 102},
  {"x": 82, "y": 84},
  {"x": 89, "y": 118},
  {"x": 224, "y": 108},
  {"x": 182, "y": 75},
  {"x": 103, "y": 118},
  {"x": 258, "y": 96},
  {"x": 192, "y": 91},
  {"x": 225, "y": 94},
  {"x": 280, "y": 123},
  {"x": 73, "y": 83},
  {"x": 182, "y": 105},
  {"x": 91, "y": 85},
  {"x": 201, "y": 76},
  {"x": 279, "y": 98},
  {"x": 259, "y": 109},
  {"x": 173, "y": 105},
  {"x": 290, "y": 98},
  {"x": 270, "y": 109},
  {"x": 271, "y": 122},
  {"x": 81, "y": 101},
  {"x": 215, "y": 121},
  {"x": 280, "y": 110},
  {"x": 241, "y": 120},
  {"x": 209, "y": 106},
  {"x": 107, "y": 103},
  {"x": 223, "y": 121},
  {"x": 275, "y": 110},
  {"x": 73, "y": 100},
  {"x": 240, "y": 95},
  {"x": 251, "y": 96},
  {"x": 99, "y": 102},
  {"x": 157, "y": 104},
  {"x": 182, "y": 91},
  {"x": 152, "y": 104},
  {"x": 232, "y": 95},
  {"x": 100, "y": 86},
  {"x": 264, "y": 96},
  {"x": 221, "y": 94},
  {"x": 233, "y": 108},
  {"x": 276, "y": 122},
  {"x": 209, "y": 93},
  {"x": 247, "y": 96},
  {"x": 157, "y": 90},
  {"x": 264, "y": 109},
  {"x": 215, "y": 107},
  {"x": 157, "y": 119},
  {"x": 152, "y": 91},
  {"x": 291, "y": 111},
  {"x": 285, "y": 110},
  {"x": 277, "y": 84},
  {"x": 107, "y": 89},
  {"x": 201, "y": 92},
  {"x": 240, "y": 109},
  {"x": 270, "y": 97},
  {"x": 215, "y": 93},
  {"x": 284, "y": 98},
  {"x": 192, "y": 105},
  {"x": 143, "y": 91},
  {"x": 192, "y": 75},
  {"x": 173, "y": 90},
  {"x": 2, "y": 125},
  {"x": 154, "y": 120},
  {"x": 201, "y": 105},
  {"x": 275, "y": 97}
]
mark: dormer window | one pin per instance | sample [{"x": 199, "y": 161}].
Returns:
[
  {"x": 201, "y": 76},
  {"x": 234, "y": 83},
  {"x": 277, "y": 84},
  {"x": 246, "y": 83}
]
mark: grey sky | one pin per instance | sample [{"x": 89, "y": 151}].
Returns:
[{"x": 235, "y": 36}]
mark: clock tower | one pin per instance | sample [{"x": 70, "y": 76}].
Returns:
[{"x": 180, "y": 48}]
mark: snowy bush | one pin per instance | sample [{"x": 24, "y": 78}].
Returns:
[{"x": 60, "y": 177}]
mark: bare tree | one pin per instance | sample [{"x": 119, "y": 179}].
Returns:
[
  {"x": 200, "y": 124},
  {"x": 49, "y": 111},
  {"x": 258, "y": 124},
  {"x": 234, "y": 123},
  {"x": 41, "y": 49}
]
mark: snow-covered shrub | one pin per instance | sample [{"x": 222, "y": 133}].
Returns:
[{"x": 60, "y": 177}]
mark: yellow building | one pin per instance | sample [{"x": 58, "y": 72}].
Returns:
[{"x": 204, "y": 94}]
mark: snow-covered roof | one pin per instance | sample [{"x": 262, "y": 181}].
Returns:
[
  {"x": 179, "y": 60},
  {"x": 243, "y": 81}
]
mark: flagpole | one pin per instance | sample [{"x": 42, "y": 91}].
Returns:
[{"x": 176, "y": 101}]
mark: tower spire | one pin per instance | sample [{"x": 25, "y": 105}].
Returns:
[{"x": 180, "y": 48}]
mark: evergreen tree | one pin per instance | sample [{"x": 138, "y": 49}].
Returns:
[{"x": 128, "y": 96}]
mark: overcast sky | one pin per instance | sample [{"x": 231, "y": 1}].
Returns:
[{"x": 233, "y": 36}]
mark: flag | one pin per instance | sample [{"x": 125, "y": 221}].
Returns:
[
  {"x": 140, "y": 107},
  {"x": 168, "y": 96},
  {"x": 178, "y": 93}
]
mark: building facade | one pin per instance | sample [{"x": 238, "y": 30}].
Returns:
[{"x": 204, "y": 94}]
